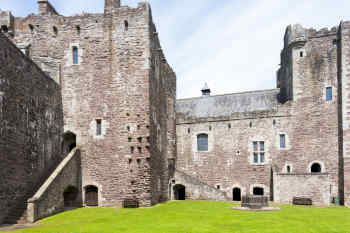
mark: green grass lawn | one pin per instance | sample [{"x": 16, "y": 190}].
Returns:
[{"x": 199, "y": 217}]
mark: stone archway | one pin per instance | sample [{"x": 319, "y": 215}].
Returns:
[
  {"x": 236, "y": 194},
  {"x": 91, "y": 195},
  {"x": 69, "y": 142},
  {"x": 180, "y": 192},
  {"x": 70, "y": 195}
]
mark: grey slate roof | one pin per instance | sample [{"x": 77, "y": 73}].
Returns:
[{"x": 226, "y": 105}]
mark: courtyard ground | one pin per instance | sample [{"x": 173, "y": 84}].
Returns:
[{"x": 196, "y": 217}]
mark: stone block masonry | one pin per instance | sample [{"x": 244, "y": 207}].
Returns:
[{"x": 31, "y": 125}]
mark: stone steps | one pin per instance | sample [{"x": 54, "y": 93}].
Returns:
[{"x": 17, "y": 215}]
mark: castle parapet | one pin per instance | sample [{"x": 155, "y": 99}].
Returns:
[
  {"x": 295, "y": 34},
  {"x": 46, "y": 8}
]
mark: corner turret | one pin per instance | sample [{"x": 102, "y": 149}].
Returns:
[{"x": 45, "y": 8}]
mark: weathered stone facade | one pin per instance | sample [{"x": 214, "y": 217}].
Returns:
[
  {"x": 305, "y": 110},
  {"x": 118, "y": 95},
  {"x": 31, "y": 125},
  {"x": 101, "y": 82}
]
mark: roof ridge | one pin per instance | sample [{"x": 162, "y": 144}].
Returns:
[{"x": 227, "y": 94}]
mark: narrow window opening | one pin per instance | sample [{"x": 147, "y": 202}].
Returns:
[
  {"x": 301, "y": 54},
  {"x": 126, "y": 25},
  {"x": 138, "y": 127},
  {"x": 132, "y": 149},
  {"x": 258, "y": 152},
  {"x": 329, "y": 94},
  {"x": 274, "y": 122},
  {"x": 129, "y": 139},
  {"x": 78, "y": 29},
  {"x": 250, "y": 124},
  {"x": 147, "y": 148},
  {"x": 188, "y": 130},
  {"x": 138, "y": 162},
  {"x": 139, "y": 149},
  {"x": 288, "y": 169},
  {"x": 139, "y": 139},
  {"x": 98, "y": 127},
  {"x": 128, "y": 128},
  {"x": 229, "y": 126},
  {"x": 75, "y": 55},
  {"x": 218, "y": 186},
  {"x": 282, "y": 141},
  {"x": 148, "y": 139},
  {"x": 31, "y": 27},
  {"x": 202, "y": 142},
  {"x": 55, "y": 31},
  {"x": 130, "y": 161},
  {"x": 209, "y": 128}
]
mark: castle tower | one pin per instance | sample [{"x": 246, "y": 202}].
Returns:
[{"x": 110, "y": 5}]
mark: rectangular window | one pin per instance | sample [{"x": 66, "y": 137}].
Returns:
[
  {"x": 75, "y": 55},
  {"x": 98, "y": 127},
  {"x": 259, "y": 152},
  {"x": 329, "y": 94},
  {"x": 282, "y": 141}
]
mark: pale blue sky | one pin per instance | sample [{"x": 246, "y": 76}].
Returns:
[{"x": 233, "y": 45}]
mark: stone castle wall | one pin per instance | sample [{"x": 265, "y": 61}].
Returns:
[
  {"x": 301, "y": 113},
  {"x": 114, "y": 82},
  {"x": 31, "y": 125}
]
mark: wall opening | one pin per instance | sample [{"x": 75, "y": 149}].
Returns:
[
  {"x": 55, "y": 31},
  {"x": 4, "y": 29},
  {"x": 180, "y": 192},
  {"x": 257, "y": 191},
  {"x": 91, "y": 195},
  {"x": 236, "y": 194},
  {"x": 75, "y": 55},
  {"x": 70, "y": 196},
  {"x": 126, "y": 25},
  {"x": 69, "y": 142},
  {"x": 316, "y": 168},
  {"x": 202, "y": 142}
]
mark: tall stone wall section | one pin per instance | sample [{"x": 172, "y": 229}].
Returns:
[
  {"x": 31, "y": 125},
  {"x": 344, "y": 123},
  {"x": 162, "y": 116},
  {"x": 111, "y": 83}
]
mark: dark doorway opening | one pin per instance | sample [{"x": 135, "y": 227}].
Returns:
[
  {"x": 236, "y": 194},
  {"x": 316, "y": 168},
  {"x": 70, "y": 196},
  {"x": 69, "y": 142},
  {"x": 180, "y": 192},
  {"x": 258, "y": 191},
  {"x": 91, "y": 195}
]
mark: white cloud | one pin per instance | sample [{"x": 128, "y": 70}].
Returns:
[{"x": 232, "y": 45}]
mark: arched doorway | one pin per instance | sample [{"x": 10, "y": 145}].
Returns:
[
  {"x": 257, "y": 191},
  {"x": 180, "y": 192},
  {"x": 70, "y": 195},
  {"x": 236, "y": 194},
  {"x": 316, "y": 168},
  {"x": 91, "y": 195},
  {"x": 69, "y": 142}
]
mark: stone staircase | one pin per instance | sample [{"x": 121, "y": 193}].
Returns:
[{"x": 17, "y": 215}]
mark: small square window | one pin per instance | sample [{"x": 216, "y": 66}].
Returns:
[
  {"x": 98, "y": 127},
  {"x": 329, "y": 94},
  {"x": 282, "y": 141}
]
